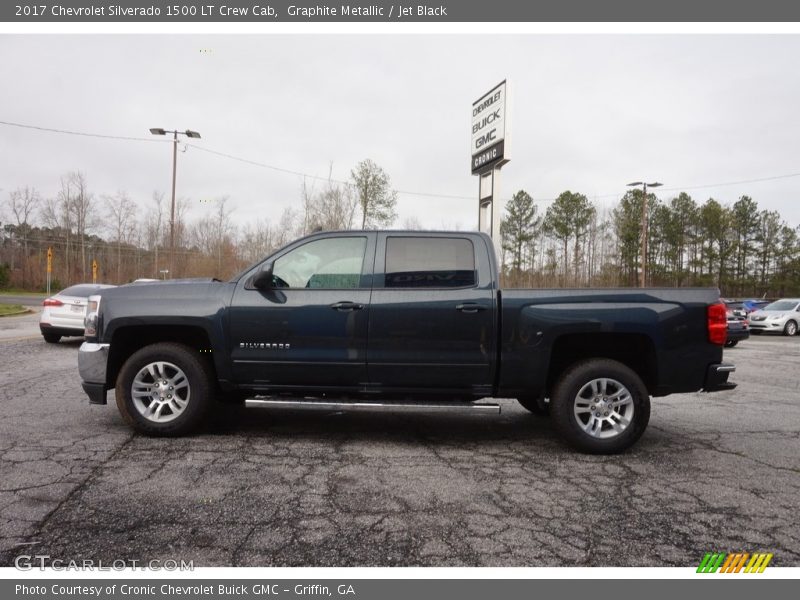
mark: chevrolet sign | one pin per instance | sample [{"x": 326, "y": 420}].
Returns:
[{"x": 488, "y": 132}]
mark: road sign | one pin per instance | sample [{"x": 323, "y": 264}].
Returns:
[
  {"x": 49, "y": 260},
  {"x": 94, "y": 271}
]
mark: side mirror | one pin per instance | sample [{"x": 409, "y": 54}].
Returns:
[{"x": 263, "y": 279}]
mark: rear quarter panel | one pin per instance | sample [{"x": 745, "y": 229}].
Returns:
[{"x": 674, "y": 322}]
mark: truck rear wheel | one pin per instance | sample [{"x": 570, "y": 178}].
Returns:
[
  {"x": 600, "y": 406},
  {"x": 164, "y": 390}
]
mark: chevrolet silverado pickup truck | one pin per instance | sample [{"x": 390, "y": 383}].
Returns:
[{"x": 400, "y": 320}]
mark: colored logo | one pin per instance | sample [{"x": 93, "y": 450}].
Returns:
[{"x": 737, "y": 562}]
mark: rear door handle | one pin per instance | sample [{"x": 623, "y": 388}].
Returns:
[
  {"x": 470, "y": 307},
  {"x": 346, "y": 306}
]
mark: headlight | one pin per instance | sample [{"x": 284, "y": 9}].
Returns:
[
  {"x": 776, "y": 317},
  {"x": 92, "y": 316}
]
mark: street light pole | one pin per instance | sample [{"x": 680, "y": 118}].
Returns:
[
  {"x": 175, "y": 132},
  {"x": 643, "y": 260},
  {"x": 172, "y": 203}
]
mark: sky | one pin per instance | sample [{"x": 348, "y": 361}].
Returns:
[{"x": 590, "y": 113}]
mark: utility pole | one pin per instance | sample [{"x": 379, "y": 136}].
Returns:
[
  {"x": 175, "y": 132},
  {"x": 643, "y": 259}
]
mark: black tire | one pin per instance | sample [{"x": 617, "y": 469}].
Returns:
[
  {"x": 731, "y": 343},
  {"x": 790, "y": 328},
  {"x": 573, "y": 381},
  {"x": 537, "y": 406},
  {"x": 51, "y": 338},
  {"x": 198, "y": 402}
]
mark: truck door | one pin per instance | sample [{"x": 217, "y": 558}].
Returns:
[
  {"x": 432, "y": 317},
  {"x": 310, "y": 330}
]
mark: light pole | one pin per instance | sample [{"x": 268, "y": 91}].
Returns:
[
  {"x": 643, "y": 278},
  {"x": 175, "y": 133}
]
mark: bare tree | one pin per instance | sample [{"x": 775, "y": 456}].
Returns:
[
  {"x": 121, "y": 216},
  {"x": 23, "y": 203},
  {"x": 412, "y": 223},
  {"x": 82, "y": 209},
  {"x": 56, "y": 215},
  {"x": 181, "y": 235},
  {"x": 222, "y": 230},
  {"x": 152, "y": 225}
]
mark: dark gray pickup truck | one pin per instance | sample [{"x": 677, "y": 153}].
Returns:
[{"x": 400, "y": 320}]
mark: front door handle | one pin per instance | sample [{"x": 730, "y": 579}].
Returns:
[
  {"x": 346, "y": 306},
  {"x": 470, "y": 307}
]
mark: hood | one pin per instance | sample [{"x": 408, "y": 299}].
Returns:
[{"x": 200, "y": 287}]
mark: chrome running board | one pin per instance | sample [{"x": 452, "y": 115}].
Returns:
[{"x": 371, "y": 405}]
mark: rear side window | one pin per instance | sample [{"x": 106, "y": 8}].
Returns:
[{"x": 417, "y": 262}]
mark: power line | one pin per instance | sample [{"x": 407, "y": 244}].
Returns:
[
  {"x": 346, "y": 183},
  {"x": 96, "y": 135},
  {"x": 317, "y": 177},
  {"x": 710, "y": 185}
]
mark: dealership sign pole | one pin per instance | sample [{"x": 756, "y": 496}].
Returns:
[{"x": 488, "y": 154}]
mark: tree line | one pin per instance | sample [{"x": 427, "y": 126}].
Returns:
[
  {"x": 131, "y": 240},
  {"x": 740, "y": 248}
]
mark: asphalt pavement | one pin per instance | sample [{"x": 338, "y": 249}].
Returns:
[{"x": 714, "y": 472}]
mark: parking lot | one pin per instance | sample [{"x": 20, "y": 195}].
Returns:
[{"x": 299, "y": 488}]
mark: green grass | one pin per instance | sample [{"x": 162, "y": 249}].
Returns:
[
  {"x": 18, "y": 292},
  {"x": 10, "y": 309}
]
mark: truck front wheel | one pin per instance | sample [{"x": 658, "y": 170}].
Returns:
[
  {"x": 600, "y": 406},
  {"x": 164, "y": 390}
]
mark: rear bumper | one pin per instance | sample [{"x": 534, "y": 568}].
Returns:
[
  {"x": 58, "y": 330},
  {"x": 738, "y": 334},
  {"x": 92, "y": 363},
  {"x": 717, "y": 377}
]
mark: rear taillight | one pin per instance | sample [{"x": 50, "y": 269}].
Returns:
[
  {"x": 52, "y": 302},
  {"x": 717, "y": 324}
]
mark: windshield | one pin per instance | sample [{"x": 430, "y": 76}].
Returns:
[{"x": 781, "y": 305}]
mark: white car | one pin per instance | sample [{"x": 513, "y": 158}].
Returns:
[
  {"x": 63, "y": 313},
  {"x": 782, "y": 316}
]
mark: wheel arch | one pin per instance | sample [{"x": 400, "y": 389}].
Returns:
[
  {"x": 634, "y": 350},
  {"x": 128, "y": 339}
]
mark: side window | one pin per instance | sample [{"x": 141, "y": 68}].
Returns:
[
  {"x": 417, "y": 262},
  {"x": 333, "y": 263}
]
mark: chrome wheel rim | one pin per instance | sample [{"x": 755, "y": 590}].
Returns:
[
  {"x": 791, "y": 328},
  {"x": 160, "y": 391},
  {"x": 603, "y": 408}
]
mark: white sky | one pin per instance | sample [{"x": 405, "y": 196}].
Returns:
[{"x": 590, "y": 113}]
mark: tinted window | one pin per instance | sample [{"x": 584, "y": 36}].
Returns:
[
  {"x": 413, "y": 262},
  {"x": 332, "y": 263},
  {"x": 82, "y": 291}
]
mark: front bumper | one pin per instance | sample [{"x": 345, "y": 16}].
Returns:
[
  {"x": 776, "y": 326},
  {"x": 92, "y": 364},
  {"x": 717, "y": 377}
]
